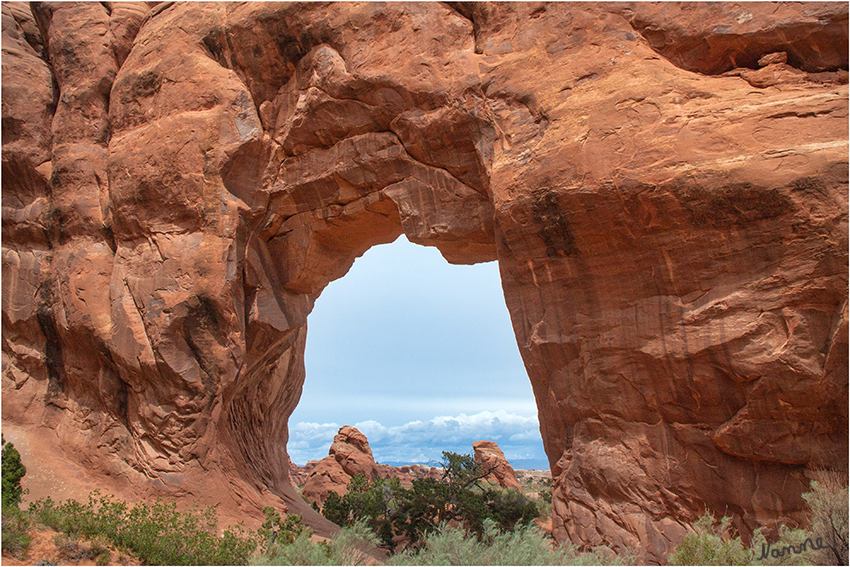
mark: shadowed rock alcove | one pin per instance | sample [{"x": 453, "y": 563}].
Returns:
[{"x": 181, "y": 182}]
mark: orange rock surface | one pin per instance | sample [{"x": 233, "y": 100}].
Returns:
[
  {"x": 490, "y": 457},
  {"x": 181, "y": 181},
  {"x": 348, "y": 456}
]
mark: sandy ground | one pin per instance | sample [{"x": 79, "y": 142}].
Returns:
[
  {"x": 45, "y": 551},
  {"x": 50, "y": 472}
]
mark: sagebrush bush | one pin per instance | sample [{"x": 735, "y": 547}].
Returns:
[
  {"x": 793, "y": 545},
  {"x": 828, "y": 504},
  {"x": 348, "y": 547},
  {"x": 16, "y": 525},
  {"x": 711, "y": 543},
  {"x": 158, "y": 534},
  {"x": 301, "y": 551},
  {"x": 509, "y": 507},
  {"x": 277, "y": 530},
  {"x": 526, "y": 545}
]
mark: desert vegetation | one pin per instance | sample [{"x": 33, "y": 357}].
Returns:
[
  {"x": 713, "y": 542},
  {"x": 15, "y": 536},
  {"x": 405, "y": 516},
  {"x": 457, "y": 520}
]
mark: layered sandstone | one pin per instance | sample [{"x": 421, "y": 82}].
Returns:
[{"x": 181, "y": 181}]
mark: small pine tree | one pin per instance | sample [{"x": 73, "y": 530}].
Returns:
[{"x": 13, "y": 471}]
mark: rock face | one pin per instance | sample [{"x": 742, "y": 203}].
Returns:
[
  {"x": 491, "y": 458},
  {"x": 408, "y": 473},
  {"x": 405, "y": 473},
  {"x": 348, "y": 456},
  {"x": 181, "y": 181},
  {"x": 326, "y": 477}
]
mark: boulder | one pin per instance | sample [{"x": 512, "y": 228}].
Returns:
[
  {"x": 490, "y": 458},
  {"x": 348, "y": 456},
  {"x": 351, "y": 450},
  {"x": 326, "y": 477}
]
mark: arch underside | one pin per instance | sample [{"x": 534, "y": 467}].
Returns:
[{"x": 680, "y": 301}]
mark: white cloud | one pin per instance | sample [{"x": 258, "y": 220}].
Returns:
[{"x": 423, "y": 441}]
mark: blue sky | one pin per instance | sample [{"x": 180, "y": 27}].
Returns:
[{"x": 420, "y": 356}]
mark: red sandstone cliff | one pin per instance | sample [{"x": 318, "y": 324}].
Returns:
[{"x": 181, "y": 181}]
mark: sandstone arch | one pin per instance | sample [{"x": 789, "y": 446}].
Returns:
[{"x": 673, "y": 246}]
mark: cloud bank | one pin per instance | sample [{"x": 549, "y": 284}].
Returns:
[{"x": 423, "y": 441}]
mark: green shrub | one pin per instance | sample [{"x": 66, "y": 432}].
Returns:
[
  {"x": 376, "y": 505},
  {"x": 828, "y": 504},
  {"x": 546, "y": 491},
  {"x": 472, "y": 501},
  {"x": 526, "y": 545},
  {"x": 509, "y": 507},
  {"x": 349, "y": 547},
  {"x": 421, "y": 509},
  {"x": 791, "y": 544},
  {"x": 71, "y": 548},
  {"x": 392, "y": 511},
  {"x": 279, "y": 531},
  {"x": 16, "y": 526},
  {"x": 99, "y": 545},
  {"x": 158, "y": 534},
  {"x": 711, "y": 543},
  {"x": 99, "y": 516},
  {"x": 302, "y": 551},
  {"x": 13, "y": 471},
  {"x": 336, "y": 509}
]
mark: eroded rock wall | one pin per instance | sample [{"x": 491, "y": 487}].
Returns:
[{"x": 180, "y": 182}]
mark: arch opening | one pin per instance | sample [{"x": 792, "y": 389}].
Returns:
[{"x": 421, "y": 357}]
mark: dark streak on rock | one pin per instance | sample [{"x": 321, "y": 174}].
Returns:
[{"x": 555, "y": 228}]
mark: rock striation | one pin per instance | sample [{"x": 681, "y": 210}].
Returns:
[
  {"x": 490, "y": 458},
  {"x": 182, "y": 180}
]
